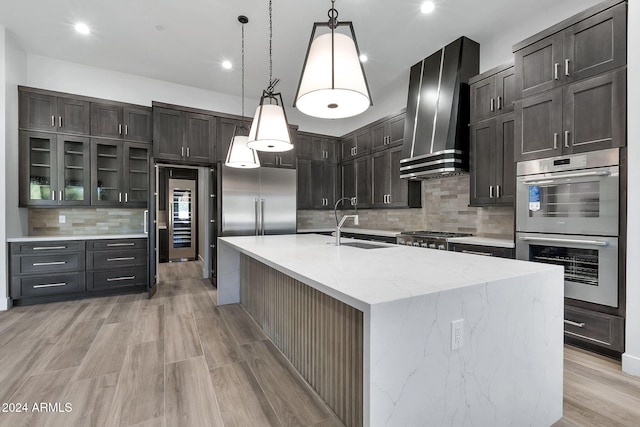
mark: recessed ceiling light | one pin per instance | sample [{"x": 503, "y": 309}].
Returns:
[
  {"x": 82, "y": 28},
  {"x": 227, "y": 65},
  {"x": 427, "y": 7},
  {"x": 364, "y": 58}
]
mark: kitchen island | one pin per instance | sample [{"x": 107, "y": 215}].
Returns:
[{"x": 372, "y": 330}]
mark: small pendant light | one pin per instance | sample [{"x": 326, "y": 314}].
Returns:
[
  {"x": 270, "y": 129},
  {"x": 333, "y": 84},
  {"x": 240, "y": 155}
]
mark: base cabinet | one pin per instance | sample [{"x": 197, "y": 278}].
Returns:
[
  {"x": 56, "y": 270},
  {"x": 594, "y": 328}
]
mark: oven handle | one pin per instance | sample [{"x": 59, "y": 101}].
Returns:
[
  {"x": 546, "y": 180},
  {"x": 570, "y": 241}
]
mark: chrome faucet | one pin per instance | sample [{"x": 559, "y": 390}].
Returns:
[{"x": 344, "y": 218}]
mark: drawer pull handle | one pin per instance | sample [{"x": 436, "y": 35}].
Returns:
[
  {"x": 48, "y": 248},
  {"x": 478, "y": 253},
  {"x": 117, "y": 279},
  {"x": 40, "y": 264},
  {"x": 113, "y": 245},
  {"x": 579, "y": 325},
  {"x": 50, "y": 285},
  {"x": 129, "y": 258}
]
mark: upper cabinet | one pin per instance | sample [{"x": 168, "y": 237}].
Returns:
[
  {"x": 52, "y": 113},
  {"x": 117, "y": 121},
  {"x": 120, "y": 173},
  {"x": 591, "y": 46},
  {"x": 184, "y": 136},
  {"x": 54, "y": 169},
  {"x": 356, "y": 144},
  {"x": 389, "y": 133},
  {"x": 311, "y": 146},
  {"x": 281, "y": 159},
  {"x": 572, "y": 85},
  {"x": 491, "y": 159},
  {"x": 492, "y": 93}
]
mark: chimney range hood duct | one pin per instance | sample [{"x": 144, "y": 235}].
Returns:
[{"x": 436, "y": 134}]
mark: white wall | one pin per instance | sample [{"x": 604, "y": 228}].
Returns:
[
  {"x": 4, "y": 301},
  {"x": 63, "y": 76},
  {"x": 631, "y": 357}
]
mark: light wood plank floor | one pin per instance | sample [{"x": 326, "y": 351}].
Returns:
[{"x": 178, "y": 360}]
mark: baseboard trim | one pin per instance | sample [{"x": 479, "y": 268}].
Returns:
[
  {"x": 631, "y": 364},
  {"x": 5, "y": 304}
]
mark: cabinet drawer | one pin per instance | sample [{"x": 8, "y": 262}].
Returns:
[
  {"x": 482, "y": 250},
  {"x": 47, "y": 247},
  {"x": 122, "y": 278},
  {"x": 49, "y": 263},
  {"x": 51, "y": 284},
  {"x": 97, "y": 260},
  {"x": 601, "y": 329},
  {"x": 117, "y": 244}
]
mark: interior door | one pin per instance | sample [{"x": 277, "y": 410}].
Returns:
[{"x": 152, "y": 230}]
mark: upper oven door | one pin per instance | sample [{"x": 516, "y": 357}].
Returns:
[{"x": 574, "y": 202}]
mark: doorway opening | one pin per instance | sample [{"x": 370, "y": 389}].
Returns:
[{"x": 182, "y": 212}]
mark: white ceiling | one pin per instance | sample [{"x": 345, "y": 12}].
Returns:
[{"x": 199, "y": 34}]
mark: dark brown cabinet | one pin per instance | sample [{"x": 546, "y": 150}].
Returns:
[
  {"x": 304, "y": 188},
  {"x": 491, "y": 166},
  {"x": 116, "y": 264},
  {"x": 388, "y": 189},
  {"x": 389, "y": 133},
  {"x": 583, "y": 116},
  {"x": 317, "y": 171},
  {"x": 492, "y": 93},
  {"x": 282, "y": 159},
  {"x": 225, "y": 129},
  {"x": 594, "y": 113},
  {"x": 362, "y": 174},
  {"x": 323, "y": 185},
  {"x": 494, "y": 251},
  {"x": 120, "y": 173},
  {"x": 357, "y": 144},
  {"x": 183, "y": 136},
  {"x": 324, "y": 149},
  {"x": 46, "y": 269},
  {"x": 54, "y": 169},
  {"x": 53, "y": 113},
  {"x": 591, "y": 46},
  {"x": 117, "y": 121},
  {"x": 491, "y": 158}
]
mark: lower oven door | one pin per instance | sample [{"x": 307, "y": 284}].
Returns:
[{"x": 590, "y": 263}]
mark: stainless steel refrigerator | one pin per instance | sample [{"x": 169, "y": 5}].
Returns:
[{"x": 258, "y": 201}]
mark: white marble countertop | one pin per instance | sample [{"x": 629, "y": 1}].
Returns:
[
  {"x": 484, "y": 241},
  {"x": 369, "y": 231},
  {"x": 84, "y": 237},
  {"x": 364, "y": 277}
]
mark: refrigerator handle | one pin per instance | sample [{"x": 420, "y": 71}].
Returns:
[
  {"x": 262, "y": 217},
  {"x": 257, "y": 217}
]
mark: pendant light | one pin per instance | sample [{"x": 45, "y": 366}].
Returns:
[
  {"x": 270, "y": 129},
  {"x": 240, "y": 155},
  {"x": 333, "y": 84}
]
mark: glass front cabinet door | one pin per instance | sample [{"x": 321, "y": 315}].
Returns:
[{"x": 54, "y": 169}]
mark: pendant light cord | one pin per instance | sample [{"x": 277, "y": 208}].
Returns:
[
  {"x": 270, "y": 47},
  {"x": 243, "y": 75}
]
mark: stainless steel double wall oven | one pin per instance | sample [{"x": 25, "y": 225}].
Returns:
[{"x": 567, "y": 213}]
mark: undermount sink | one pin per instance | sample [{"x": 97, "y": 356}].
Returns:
[{"x": 364, "y": 245}]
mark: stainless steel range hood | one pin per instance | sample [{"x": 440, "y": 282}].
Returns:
[{"x": 436, "y": 134}]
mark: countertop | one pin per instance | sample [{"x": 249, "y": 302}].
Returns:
[
  {"x": 484, "y": 241},
  {"x": 84, "y": 237},
  {"x": 368, "y": 231},
  {"x": 364, "y": 277}
]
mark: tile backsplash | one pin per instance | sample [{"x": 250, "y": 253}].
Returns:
[
  {"x": 85, "y": 221},
  {"x": 444, "y": 208}
]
